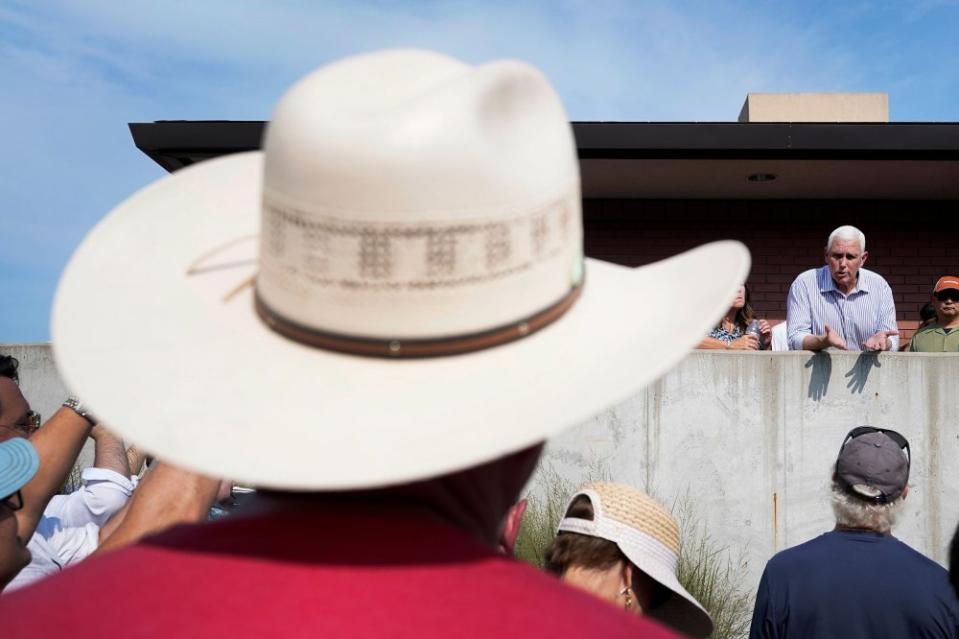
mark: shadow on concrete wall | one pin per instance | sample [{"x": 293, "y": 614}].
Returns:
[
  {"x": 857, "y": 376},
  {"x": 821, "y": 365}
]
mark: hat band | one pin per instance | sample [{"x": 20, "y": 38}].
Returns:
[
  {"x": 629, "y": 539},
  {"x": 413, "y": 348}
]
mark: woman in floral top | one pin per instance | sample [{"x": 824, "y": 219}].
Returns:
[{"x": 730, "y": 333}]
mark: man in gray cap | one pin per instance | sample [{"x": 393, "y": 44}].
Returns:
[{"x": 858, "y": 580}]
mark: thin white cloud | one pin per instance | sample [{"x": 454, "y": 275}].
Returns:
[{"x": 616, "y": 60}]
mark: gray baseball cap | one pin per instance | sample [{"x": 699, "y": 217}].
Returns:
[{"x": 873, "y": 464}]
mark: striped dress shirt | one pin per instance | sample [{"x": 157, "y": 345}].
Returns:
[{"x": 814, "y": 301}]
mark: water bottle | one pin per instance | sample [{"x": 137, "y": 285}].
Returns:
[{"x": 753, "y": 329}]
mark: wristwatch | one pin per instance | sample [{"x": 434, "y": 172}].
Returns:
[{"x": 78, "y": 407}]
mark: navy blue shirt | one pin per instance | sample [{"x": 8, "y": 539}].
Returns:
[{"x": 853, "y": 584}]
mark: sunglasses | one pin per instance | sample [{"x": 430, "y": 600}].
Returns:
[
  {"x": 948, "y": 294},
  {"x": 13, "y": 501},
  {"x": 29, "y": 427}
]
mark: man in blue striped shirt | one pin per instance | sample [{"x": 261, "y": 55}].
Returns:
[{"x": 842, "y": 305}]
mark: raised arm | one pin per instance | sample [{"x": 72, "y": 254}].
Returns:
[
  {"x": 166, "y": 496},
  {"x": 109, "y": 453},
  {"x": 58, "y": 444},
  {"x": 106, "y": 485}
]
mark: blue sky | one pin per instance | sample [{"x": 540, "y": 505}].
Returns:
[{"x": 75, "y": 73}]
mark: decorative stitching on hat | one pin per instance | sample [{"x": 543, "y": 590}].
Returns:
[
  {"x": 349, "y": 254},
  {"x": 441, "y": 253}
]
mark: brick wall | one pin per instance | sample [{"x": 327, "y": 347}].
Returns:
[{"x": 785, "y": 238}]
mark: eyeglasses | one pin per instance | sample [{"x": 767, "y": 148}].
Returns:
[
  {"x": 31, "y": 425},
  {"x": 33, "y": 421},
  {"x": 13, "y": 501},
  {"x": 948, "y": 294}
]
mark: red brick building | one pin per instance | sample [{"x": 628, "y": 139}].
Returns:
[{"x": 651, "y": 190}]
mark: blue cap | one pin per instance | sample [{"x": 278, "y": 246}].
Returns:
[{"x": 18, "y": 465}]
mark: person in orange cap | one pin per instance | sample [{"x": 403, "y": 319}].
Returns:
[{"x": 942, "y": 335}]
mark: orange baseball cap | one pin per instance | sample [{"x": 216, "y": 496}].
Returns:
[{"x": 946, "y": 282}]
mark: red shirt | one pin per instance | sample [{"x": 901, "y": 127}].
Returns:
[{"x": 311, "y": 574}]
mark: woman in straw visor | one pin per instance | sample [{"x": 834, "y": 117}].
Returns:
[{"x": 622, "y": 546}]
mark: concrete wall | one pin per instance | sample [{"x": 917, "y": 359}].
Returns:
[
  {"x": 39, "y": 381},
  {"x": 749, "y": 441}
]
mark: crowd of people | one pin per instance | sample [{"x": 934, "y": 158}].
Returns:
[
  {"x": 614, "y": 541},
  {"x": 423, "y": 319},
  {"x": 842, "y": 306},
  {"x": 50, "y": 528}
]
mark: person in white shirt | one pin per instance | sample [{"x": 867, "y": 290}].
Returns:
[
  {"x": 842, "y": 305},
  {"x": 70, "y": 529}
]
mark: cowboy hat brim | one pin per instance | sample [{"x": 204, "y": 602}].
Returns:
[{"x": 154, "y": 327}]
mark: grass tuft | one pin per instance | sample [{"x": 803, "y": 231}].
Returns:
[
  {"x": 714, "y": 577},
  {"x": 542, "y": 516}
]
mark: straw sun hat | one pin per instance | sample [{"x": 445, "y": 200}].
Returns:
[
  {"x": 649, "y": 537},
  {"x": 392, "y": 289}
]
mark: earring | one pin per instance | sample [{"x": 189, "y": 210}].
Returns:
[{"x": 627, "y": 592}]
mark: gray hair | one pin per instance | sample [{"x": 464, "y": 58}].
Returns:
[
  {"x": 847, "y": 234},
  {"x": 857, "y": 513}
]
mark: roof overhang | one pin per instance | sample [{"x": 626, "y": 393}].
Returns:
[{"x": 667, "y": 160}]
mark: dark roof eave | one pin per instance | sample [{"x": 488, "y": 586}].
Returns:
[
  {"x": 785, "y": 140},
  {"x": 173, "y": 144}
]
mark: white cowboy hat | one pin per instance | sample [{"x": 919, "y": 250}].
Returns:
[
  {"x": 649, "y": 537},
  {"x": 406, "y": 204}
]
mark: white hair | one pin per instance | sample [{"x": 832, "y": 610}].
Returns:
[
  {"x": 857, "y": 513},
  {"x": 847, "y": 234}
]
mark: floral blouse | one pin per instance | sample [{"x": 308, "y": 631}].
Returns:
[{"x": 727, "y": 336}]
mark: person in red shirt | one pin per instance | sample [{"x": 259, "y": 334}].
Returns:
[{"x": 384, "y": 363}]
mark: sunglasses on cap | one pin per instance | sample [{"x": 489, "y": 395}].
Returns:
[
  {"x": 948, "y": 294},
  {"x": 859, "y": 431}
]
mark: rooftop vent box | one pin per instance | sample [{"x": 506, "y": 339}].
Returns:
[{"x": 815, "y": 107}]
